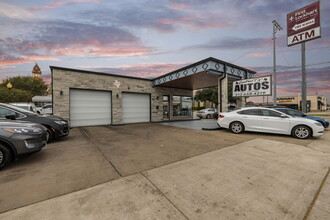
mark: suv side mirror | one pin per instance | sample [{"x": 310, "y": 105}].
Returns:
[{"x": 11, "y": 117}]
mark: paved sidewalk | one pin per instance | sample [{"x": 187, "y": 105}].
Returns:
[{"x": 257, "y": 179}]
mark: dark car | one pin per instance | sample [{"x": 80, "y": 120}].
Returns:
[
  {"x": 19, "y": 138},
  {"x": 295, "y": 113},
  {"x": 56, "y": 126}
]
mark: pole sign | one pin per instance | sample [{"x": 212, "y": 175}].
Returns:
[
  {"x": 261, "y": 86},
  {"x": 304, "y": 24}
]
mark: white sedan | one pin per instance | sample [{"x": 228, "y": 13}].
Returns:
[
  {"x": 46, "y": 109},
  {"x": 207, "y": 113},
  {"x": 269, "y": 121}
]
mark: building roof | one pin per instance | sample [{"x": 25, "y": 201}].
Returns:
[
  {"x": 208, "y": 71},
  {"x": 98, "y": 73}
]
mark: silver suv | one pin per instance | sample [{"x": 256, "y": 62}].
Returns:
[{"x": 19, "y": 138}]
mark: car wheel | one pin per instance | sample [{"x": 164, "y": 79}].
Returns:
[
  {"x": 208, "y": 116},
  {"x": 50, "y": 136},
  {"x": 236, "y": 127},
  {"x": 5, "y": 156},
  {"x": 301, "y": 132}
]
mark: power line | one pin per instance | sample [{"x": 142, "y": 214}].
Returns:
[
  {"x": 295, "y": 67},
  {"x": 250, "y": 51},
  {"x": 283, "y": 54}
]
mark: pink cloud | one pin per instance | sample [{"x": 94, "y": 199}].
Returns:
[
  {"x": 86, "y": 1},
  {"x": 57, "y": 4},
  {"x": 196, "y": 22},
  {"x": 4, "y": 63},
  {"x": 178, "y": 6},
  {"x": 94, "y": 50},
  {"x": 47, "y": 79},
  {"x": 151, "y": 70},
  {"x": 259, "y": 54},
  {"x": 164, "y": 21},
  {"x": 108, "y": 41}
]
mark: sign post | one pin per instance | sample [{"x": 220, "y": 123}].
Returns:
[
  {"x": 304, "y": 25},
  {"x": 303, "y": 81}
]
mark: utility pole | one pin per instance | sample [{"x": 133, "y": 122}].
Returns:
[
  {"x": 276, "y": 27},
  {"x": 303, "y": 83}
]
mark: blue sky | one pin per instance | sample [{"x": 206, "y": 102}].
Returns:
[{"x": 148, "y": 38}]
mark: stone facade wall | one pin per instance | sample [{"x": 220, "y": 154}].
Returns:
[{"x": 64, "y": 79}]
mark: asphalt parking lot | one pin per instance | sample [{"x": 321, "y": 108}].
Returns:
[{"x": 146, "y": 171}]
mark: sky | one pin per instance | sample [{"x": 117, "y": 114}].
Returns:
[{"x": 149, "y": 38}]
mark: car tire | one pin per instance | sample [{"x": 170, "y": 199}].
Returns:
[
  {"x": 5, "y": 156},
  {"x": 301, "y": 132},
  {"x": 208, "y": 116},
  {"x": 236, "y": 127},
  {"x": 50, "y": 136}
]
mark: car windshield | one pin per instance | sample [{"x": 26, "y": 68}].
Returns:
[
  {"x": 291, "y": 112},
  {"x": 19, "y": 109}
]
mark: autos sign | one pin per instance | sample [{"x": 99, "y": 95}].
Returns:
[
  {"x": 261, "y": 86},
  {"x": 304, "y": 24}
]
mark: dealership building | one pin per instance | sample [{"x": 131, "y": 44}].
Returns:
[
  {"x": 89, "y": 98},
  {"x": 314, "y": 102}
]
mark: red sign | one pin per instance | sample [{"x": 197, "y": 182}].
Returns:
[{"x": 304, "y": 24}]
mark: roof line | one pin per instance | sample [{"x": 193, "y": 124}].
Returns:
[
  {"x": 205, "y": 60},
  {"x": 133, "y": 77},
  {"x": 99, "y": 73}
]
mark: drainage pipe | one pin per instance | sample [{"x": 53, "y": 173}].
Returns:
[{"x": 220, "y": 107}]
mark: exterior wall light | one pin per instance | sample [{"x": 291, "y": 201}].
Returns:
[
  {"x": 117, "y": 95},
  {"x": 9, "y": 86},
  {"x": 61, "y": 92}
]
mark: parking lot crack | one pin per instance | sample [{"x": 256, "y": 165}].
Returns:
[
  {"x": 163, "y": 195},
  {"x": 92, "y": 142},
  {"x": 310, "y": 207},
  {"x": 313, "y": 149}
]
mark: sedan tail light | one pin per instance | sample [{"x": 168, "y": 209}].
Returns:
[{"x": 221, "y": 116}]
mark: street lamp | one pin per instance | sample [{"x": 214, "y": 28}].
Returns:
[{"x": 9, "y": 86}]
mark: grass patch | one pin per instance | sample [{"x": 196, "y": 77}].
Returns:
[{"x": 319, "y": 115}]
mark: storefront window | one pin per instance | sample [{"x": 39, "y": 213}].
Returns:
[
  {"x": 166, "y": 106},
  {"x": 182, "y": 106}
]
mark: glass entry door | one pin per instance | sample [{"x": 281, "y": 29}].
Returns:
[{"x": 166, "y": 107}]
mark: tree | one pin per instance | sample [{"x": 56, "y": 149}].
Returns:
[
  {"x": 35, "y": 86},
  {"x": 15, "y": 95},
  {"x": 209, "y": 94}
]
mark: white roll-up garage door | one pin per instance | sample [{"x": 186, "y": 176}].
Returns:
[
  {"x": 136, "y": 107},
  {"x": 89, "y": 107}
]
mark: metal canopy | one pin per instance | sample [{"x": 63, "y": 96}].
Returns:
[{"x": 202, "y": 74}]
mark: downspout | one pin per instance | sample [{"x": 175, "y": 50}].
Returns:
[
  {"x": 52, "y": 82},
  {"x": 219, "y": 88}
]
